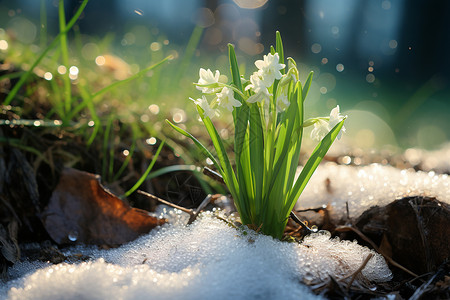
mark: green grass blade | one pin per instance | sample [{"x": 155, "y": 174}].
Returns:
[
  {"x": 307, "y": 85},
  {"x": 138, "y": 74},
  {"x": 189, "y": 52},
  {"x": 76, "y": 110},
  {"x": 87, "y": 101},
  {"x": 279, "y": 49},
  {"x": 256, "y": 147},
  {"x": 312, "y": 164},
  {"x": 12, "y": 75},
  {"x": 284, "y": 137},
  {"x": 144, "y": 176},
  {"x": 235, "y": 77},
  {"x": 174, "y": 168},
  {"x": 25, "y": 76},
  {"x": 198, "y": 144},
  {"x": 65, "y": 57},
  {"x": 126, "y": 161},
  {"x": 227, "y": 171}
]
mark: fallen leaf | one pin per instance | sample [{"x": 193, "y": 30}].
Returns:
[
  {"x": 82, "y": 210},
  {"x": 414, "y": 230}
]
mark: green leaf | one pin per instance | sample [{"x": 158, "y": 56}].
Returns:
[
  {"x": 197, "y": 143},
  {"x": 312, "y": 164},
  {"x": 227, "y": 171},
  {"x": 279, "y": 48},
  {"x": 256, "y": 147},
  {"x": 236, "y": 78},
  {"x": 307, "y": 85},
  {"x": 284, "y": 137}
]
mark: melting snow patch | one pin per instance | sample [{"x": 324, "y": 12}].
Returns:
[
  {"x": 364, "y": 187},
  {"x": 206, "y": 260}
]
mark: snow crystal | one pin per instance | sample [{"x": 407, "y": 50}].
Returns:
[
  {"x": 364, "y": 187},
  {"x": 206, "y": 260}
]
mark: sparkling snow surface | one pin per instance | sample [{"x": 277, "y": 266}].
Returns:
[
  {"x": 363, "y": 187},
  {"x": 211, "y": 260},
  {"x": 207, "y": 260}
]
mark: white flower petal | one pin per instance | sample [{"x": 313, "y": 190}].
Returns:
[
  {"x": 203, "y": 103},
  {"x": 320, "y": 130},
  {"x": 227, "y": 100},
  {"x": 269, "y": 68},
  {"x": 208, "y": 78}
]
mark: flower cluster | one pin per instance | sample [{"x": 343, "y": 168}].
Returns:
[
  {"x": 268, "y": 118},
  {"x": 259, "y": 89}
]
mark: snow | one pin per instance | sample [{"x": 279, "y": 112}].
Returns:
[
  {"x": 364, "y": 187},
  {"x": 206, "y": 260},
  {"x": 212, "y": 260}
]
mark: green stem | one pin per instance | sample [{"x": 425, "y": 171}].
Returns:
[
  {"x": 65, "y": 58},
  {"x": 144, "y": 176}
]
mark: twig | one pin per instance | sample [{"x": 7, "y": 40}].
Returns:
[
  {"x": 192, "y": 214},
  {"x": 363, "y": 265},
  {"x": 303, "y": 225},
  {"x": 314, "y": 209},
  {"x": 423, "y": 288},
  {"x": 186, "y": 210},
  {"x": 364, "y": 237},
  {"x": 213, "y": 174},
  {"x": 202, "y": 205}
]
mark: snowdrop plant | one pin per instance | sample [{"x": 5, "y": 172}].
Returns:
[{"x": 268, "y": 120}]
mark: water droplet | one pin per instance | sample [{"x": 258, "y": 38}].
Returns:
[
  {"x": 73, "y": 236},
  {"x": 308, "y": 278}
]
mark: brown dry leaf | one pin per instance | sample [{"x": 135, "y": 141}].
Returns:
[
  {"x": 81, "y": 210},
  {"x": 414, "y": 230}
]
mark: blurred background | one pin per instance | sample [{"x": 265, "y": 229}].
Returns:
[{"x": 386, "y": 63}]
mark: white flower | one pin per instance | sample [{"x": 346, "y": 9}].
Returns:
[
  {"x": 208, "y": 78},
  {"x": 321, "y": 127},
  {"x": 269, "y": 68},
  {"x": 335, "y": 118},
  {"x": 320, "y": 130},
  {"x": 227, "y": 100},
  {"x": 258, "y": 87},
  {"x": 203, "y": 103}
]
